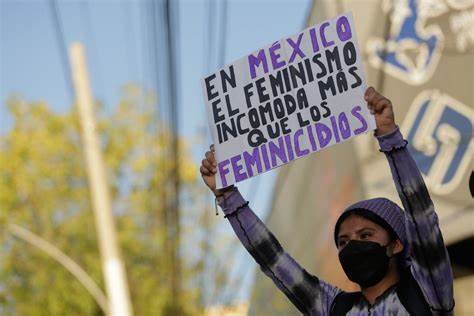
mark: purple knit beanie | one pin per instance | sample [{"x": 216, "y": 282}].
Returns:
[{"x": 387, "y": 214}]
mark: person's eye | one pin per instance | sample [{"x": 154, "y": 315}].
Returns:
[
  {"x": 342, "y": 243},
  {"x": 365, "y": 235}
]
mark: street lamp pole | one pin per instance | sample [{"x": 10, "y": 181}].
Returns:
[
  {"x": 64, "y": 260},
  {"x": 112, "y": 265}
]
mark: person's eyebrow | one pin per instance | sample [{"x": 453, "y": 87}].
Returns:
[
  {"x": 340, "y": 236},
  {"x": 357, "y": 232},
  {"x": 365, "y": 228}
]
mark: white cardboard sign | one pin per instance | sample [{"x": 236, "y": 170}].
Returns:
[{"x": 285, "y": 101}]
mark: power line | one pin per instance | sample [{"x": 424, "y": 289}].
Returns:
[
  {"x": 91, "y": 41},
  {"x": 210, "y": 36},
  {"x": 171, "y": 27},
  {"x": 207, "y": 50},
  {"x": 223, "y": 33},
  {"x": 62, "y": 46},
  {"x": 204, "y": 132},
  {"x": 153, "y": 35},
  {"x": 128, "y": 36}
]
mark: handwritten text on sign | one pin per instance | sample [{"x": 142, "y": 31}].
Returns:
[{"x": 285, "y": 101}]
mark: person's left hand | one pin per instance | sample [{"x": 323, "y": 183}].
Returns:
[{"x": 382, "y": 109}]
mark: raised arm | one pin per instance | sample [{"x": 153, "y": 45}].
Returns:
[
  {"x": 430, "y": 261},
  {"x": 306, "y": 292}
]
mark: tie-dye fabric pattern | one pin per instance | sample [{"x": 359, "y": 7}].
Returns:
[{"x": 428, "y": 261}]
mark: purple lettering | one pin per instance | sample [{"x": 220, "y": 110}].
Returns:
[
  {"x": 256, "y": 61},
  {"x": 324, "y": 134},
  {"x": 296, "y": 48},
  {"x": 239, "y": 175},
  {"x": 296, "y": 140},
  {"x": 223, "y": 170},
  {"x": 274, "y": 55},
  {"x": 311, "y": 138},
  {"x": 334, "y": 129},
  {"x": 343, "y": 29},
  {"x": 277, "y": 151},
  {"x": 344, "y": 126},
  {"x": 289, "y": 148},
  {"x": 322, "y": 35},
  {"x": 266, "y": 161},
  {"x": 355, "y": 112},
  {"x": 314, "y": 40},
  {"x": 251, "y": 160}
]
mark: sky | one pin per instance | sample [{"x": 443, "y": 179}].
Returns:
[{"x": 32, "y": 63}]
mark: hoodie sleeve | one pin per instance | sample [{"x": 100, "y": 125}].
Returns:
[
  {"x": 431, "y": 266},
  {"x": 308, "y": 293}
]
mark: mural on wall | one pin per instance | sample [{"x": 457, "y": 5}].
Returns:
[
  {"x": 444, "y": 146},
  {"x": 414, "y": 46}
]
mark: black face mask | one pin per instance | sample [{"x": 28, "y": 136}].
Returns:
[{"x": 364, "y": 262}]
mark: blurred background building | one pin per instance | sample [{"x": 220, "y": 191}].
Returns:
[{"x": 145, "y": 59}]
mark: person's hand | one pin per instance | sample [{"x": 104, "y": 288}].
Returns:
[
  {"x": 382, "y": 109},
  {"x": 209, "y": 169},
  {"x": 208, "y": 172}
]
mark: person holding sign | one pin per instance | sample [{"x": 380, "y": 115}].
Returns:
[{"x": 398, "y": 258}]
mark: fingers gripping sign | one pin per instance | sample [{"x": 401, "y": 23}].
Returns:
[{"x": 209, "y": 170}]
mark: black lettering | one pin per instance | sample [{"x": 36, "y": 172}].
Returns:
[
  {"x": 315, "y": 114},
  {"x": 301, "y": 99},
  {"x": 309, "y": 71},
  {"x": 349, "y": 53},
  {"x": 333, "y": 57},
  {"x": 248, "y": 94},
  {"x": 328, "y": 85},
  {"x": 321, "y": 66},
  {"x": 241, "y": 130},
  {"x": 273, "y": 133},
  {"x": 358, "y": 80},
  {"x": 209, "y": 87},
  {"x": 216, "y": 110},
  {"x": 284, "y": 71},
  {"x": 226, "y": 79},
  {"x": 253, "y": 118},
  {"x": 341, "y": 82},
  {"x": 278, "y": 108},
  {"x": 255, "y": 138},
  {"x": 230, "y": 110},
  {"x": 276, "y": 82},
  {"x": 266, "y": 110},
  {"x": 226, "y": 130},
  {"x": 301, "y": 121},
  {"x": 290, "y": 104},
  {"x": 263, "y": 97},
  {"x": 297, "y": 73},
  {"x": 219, "y": 133},
  {"x": 326, "y": 108},
  {"x": 284, "y": 126}
]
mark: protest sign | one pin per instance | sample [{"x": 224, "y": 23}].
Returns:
[{"x": 297, "y": 96}]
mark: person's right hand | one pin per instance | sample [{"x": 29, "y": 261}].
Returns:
[{"x": 209, "y": 169}]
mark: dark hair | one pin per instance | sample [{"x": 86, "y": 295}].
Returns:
[{"x": 471, "y": 183}]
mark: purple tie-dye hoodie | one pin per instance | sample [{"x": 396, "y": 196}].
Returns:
[{"x": 428, "y": 261}]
